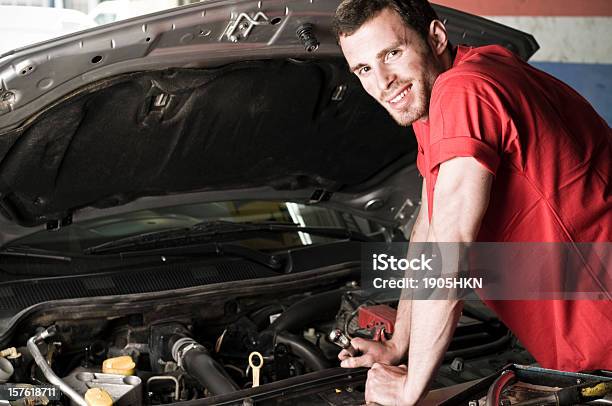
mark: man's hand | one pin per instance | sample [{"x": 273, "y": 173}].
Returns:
[
  {"x": 371, "y": 352},
  {"x": 386, "y": 385}
]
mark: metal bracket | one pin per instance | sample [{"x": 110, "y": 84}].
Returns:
[
  {"x": 161, "y": 100},
  {"x": 406, "y": 217},
  {"x": 406, "y": 212},
  {"x": 55, "y": 225},
  {"x": 243, "y": 25},
  {"x": 7, "y": 98},
  {"x": 319, "y": 195}
]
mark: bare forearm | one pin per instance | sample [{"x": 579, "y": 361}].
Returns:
[
  {"x": 434, "y": 321},
  {"x": 401, "y": 337},
  {"x": 427, "y": 326},
  {"x": 421, "y": 226},
  {"x": 433, "y": 324}
]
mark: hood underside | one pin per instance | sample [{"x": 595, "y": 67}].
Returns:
[
  {"x": 224, "y": 100},
  {"x": 284, "y": 124}
]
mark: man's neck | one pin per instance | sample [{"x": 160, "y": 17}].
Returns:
[{"x": 448, "y": 57}]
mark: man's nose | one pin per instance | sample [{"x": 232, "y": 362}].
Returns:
[{"x": 384, "y": 78}]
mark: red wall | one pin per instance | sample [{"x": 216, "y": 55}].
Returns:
[{"x": 532, "y": 7}]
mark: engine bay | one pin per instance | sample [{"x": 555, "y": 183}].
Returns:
[{"x": 223, "y": 346}]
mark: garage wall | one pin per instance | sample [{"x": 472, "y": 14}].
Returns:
[{"x": 574, "y": 37}]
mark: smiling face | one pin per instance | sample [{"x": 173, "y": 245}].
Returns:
[{"x": 395, "y": 64}]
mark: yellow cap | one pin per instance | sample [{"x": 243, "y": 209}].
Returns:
[
  {"x": 119, "y": 365},
  {"x": 98, "y": 397}
]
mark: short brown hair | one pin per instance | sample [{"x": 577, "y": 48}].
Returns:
[{"x": 352, "y": 14}]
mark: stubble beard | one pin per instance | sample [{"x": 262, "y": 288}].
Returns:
[{"x": 419, "y": 108}]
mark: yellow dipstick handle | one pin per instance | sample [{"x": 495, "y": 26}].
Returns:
[
  {"x": 255, "y": 368},
  {"x": 98, "y": 397}
]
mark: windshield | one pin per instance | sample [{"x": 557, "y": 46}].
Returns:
[
  {"x": 26, "y": 22},
  {"x": 80, "y": 236}
]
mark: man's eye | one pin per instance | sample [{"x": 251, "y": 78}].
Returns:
[
  {"x": 392, "y": 54},
  {"x": 363, "y": 70}
]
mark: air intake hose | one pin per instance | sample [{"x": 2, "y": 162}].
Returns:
[{"x": 197, "y": 362}]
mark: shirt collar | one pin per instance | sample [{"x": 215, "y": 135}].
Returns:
[{"x": 459, "y": 51}]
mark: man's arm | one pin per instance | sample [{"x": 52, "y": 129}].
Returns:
[
  {"x": 421, "y": 225},
  {"x": 403, "y": 318},
  {"x": 394, "y": 350},
  {"x": 461, "y": 199}
]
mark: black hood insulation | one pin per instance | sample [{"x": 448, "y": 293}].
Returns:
[{"x": 285, "y": 124}]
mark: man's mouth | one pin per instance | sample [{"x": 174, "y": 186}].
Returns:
[{"x": 400, "y": 98}]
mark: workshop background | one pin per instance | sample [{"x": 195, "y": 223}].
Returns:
[{"x": 575, "y": 36}]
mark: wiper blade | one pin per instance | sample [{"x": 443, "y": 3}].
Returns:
[
  {"x": 200, "y": 232},
  {"x": 208, "y": 231},
  {"x": 29, "y": 252},
  {"x": 219, "y": 249},
  {"x": 336, "y": 232}
]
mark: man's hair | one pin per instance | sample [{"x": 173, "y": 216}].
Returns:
[{"x": 352, "y": 14}]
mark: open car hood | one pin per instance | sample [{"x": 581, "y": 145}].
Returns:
[{"x": 217, "y": 101}]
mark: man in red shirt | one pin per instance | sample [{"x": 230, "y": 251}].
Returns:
[{"x": 508, "y": 154}]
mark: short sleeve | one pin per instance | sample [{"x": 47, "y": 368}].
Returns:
[{"x": 466, "y": 121}]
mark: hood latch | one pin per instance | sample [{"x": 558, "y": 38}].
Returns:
[{"x": 241, "y": 27}]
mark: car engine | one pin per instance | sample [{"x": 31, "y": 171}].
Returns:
[{"x": 235, "y": 344}]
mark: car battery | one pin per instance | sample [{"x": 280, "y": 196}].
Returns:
[{"x": 377, "y": 317}]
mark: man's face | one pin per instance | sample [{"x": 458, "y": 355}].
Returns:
[{"x": 394, "y": 64}]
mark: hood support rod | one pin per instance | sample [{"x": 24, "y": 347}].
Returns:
[{"x": 46, "y": 369}]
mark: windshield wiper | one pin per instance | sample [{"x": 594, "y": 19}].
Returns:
[
  {"x": 219, "y": 249},
  {"x": 336, "y": 232},
  {"x": 209, "y": 231},
  {"x": 29, "y": 252}
]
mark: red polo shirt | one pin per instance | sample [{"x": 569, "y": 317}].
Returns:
[{"x": 551, "y": 155}]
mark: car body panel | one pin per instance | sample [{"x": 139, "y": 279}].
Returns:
[
  {"x": 200, "y": 35},
  {"x": 65, "y": 140}
]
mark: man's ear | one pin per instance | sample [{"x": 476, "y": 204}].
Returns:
[{"x": 438, "y": 37}]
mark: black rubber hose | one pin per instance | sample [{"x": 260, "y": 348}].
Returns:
[
  {"x": 309, "y": 353},
  {"x": 322, "y": 306},
  {"x": 478, "y": 350},
  {"x": 198, "y": 363},
  {"x": 208, "y": 372}
]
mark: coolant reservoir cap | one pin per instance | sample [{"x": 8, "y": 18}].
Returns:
[
  {"x": 119, "y": 365},
  {"x": 98, "y": 397}
]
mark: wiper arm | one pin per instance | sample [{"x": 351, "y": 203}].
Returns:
[
  {"x": 220, "y": 249},
  {"x": 207, "y": 231},
  {"x": 200, "y": 232},
  {"x": 226, "y": 227},
  {"x": 29, "y": 252},
  {"x": 336, "y": 232}
]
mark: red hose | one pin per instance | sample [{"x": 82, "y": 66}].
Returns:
[{"x": 495, "y": 390}]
